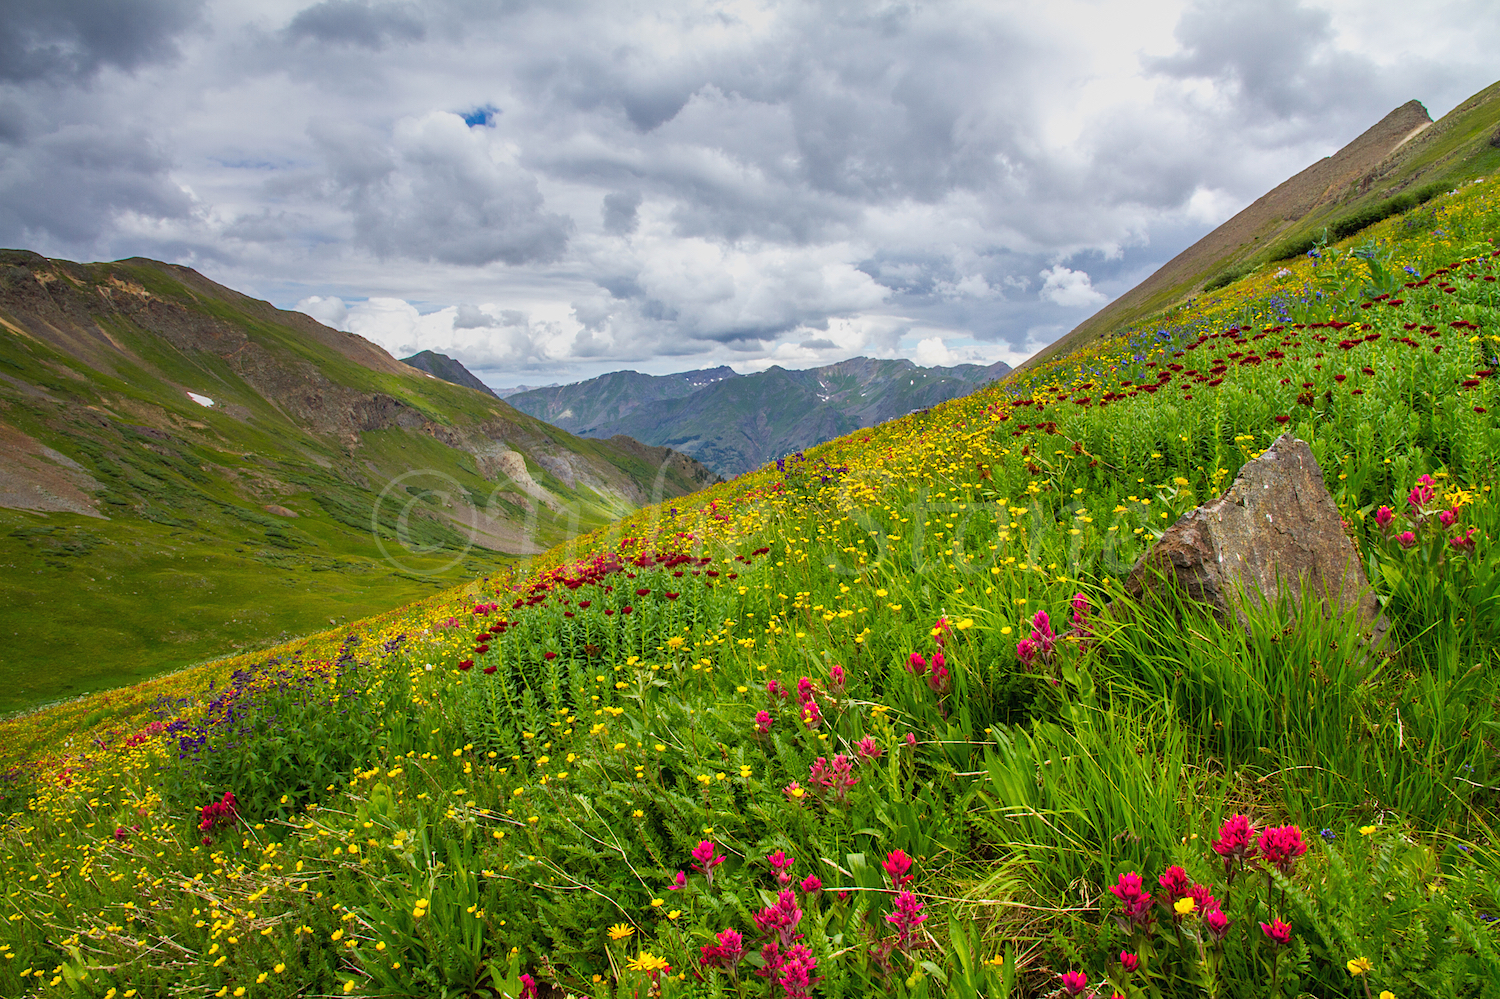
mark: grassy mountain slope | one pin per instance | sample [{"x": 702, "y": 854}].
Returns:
[
  {"x": 1401, "y": 161},
  {"x": 449, "y": 370},
  {"x": 141, "y": 530},
  {"x": 867, "y": 708},
  {"x": 736, "y": 424}
]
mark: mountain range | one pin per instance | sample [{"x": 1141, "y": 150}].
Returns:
[
  {"x": 185, "y": 470},
  {"x": 734, "y": 423}
]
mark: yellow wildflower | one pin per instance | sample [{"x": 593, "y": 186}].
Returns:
[{"x": 648, "y": 962}]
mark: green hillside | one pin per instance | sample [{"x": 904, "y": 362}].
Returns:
[
  {"x": 142, "y": 531},
  {"x": 877, "y": 721}
]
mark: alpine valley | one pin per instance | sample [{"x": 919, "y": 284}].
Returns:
[{"x": 186, "y": 472}]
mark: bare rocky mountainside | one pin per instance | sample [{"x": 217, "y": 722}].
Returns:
[
  {"x": 1396, "y": 165},
  {"x": 735, "y": 423},
  {"x": 184, "y": 469}
]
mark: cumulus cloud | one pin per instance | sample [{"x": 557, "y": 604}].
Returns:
[
  {"x": 79, "y": 181},
  {"x": 363, "y": 24},
  {"x": 1275, "y": 59},
  {"x": 330, "y": 310},
  {"x": 620, "y": 212},
  {"x": 74, "y": 39},
  {"x": 472, "y": 317},
  {"x": 688, "y": 184},
  {"x": 439, "y": 190},
  {"x": 509, "y": 340},
  {"x": 1069, "y": 288},
  {"x": 933, "y": 352}
]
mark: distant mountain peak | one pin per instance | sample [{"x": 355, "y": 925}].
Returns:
[{"x": 448, "y": 369}]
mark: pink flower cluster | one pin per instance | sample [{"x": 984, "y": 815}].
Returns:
[
  {"x": 897, "y": 867},
  {"x": 1176, "y": 885},
  {"x": 781, "y": 864},
  {"x": 1420, "y": 515},
  {"x": 1041, "y": 645},
  {"x": 934, "y": 671},
  {"x": 837, "y": 777},
  {"x": 810, "y": 713},
  {"x": 1135, "y": 900},
  {"x": 221, "y": 813},
  {"x": 1281, "y": 846},
  {"x": 787, "y": 963},
  {"x": 726, "y": 954},
  {"x": 1043, "y": 641},
  {"x": 705, "y": 860},
  {"x": 907, "y": 919},
  {"x": 1193, "y": 910}
]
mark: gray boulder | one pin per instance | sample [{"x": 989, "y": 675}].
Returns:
[{"x": 1277, "y": 530}]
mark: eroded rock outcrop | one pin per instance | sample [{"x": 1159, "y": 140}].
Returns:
[{"x": 1277, "y": 530}]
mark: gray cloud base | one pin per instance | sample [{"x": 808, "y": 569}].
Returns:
[{"x": 784, "y": 183}]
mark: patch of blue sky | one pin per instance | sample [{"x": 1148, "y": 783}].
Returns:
[{"x": 480, "y": 115}]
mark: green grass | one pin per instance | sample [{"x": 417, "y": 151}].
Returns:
[
  {"x": 187, "y": 565},
  {"x": 507, "y": 778}
]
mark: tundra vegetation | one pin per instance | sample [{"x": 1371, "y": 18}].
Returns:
[{"x": 859, "y": 722}]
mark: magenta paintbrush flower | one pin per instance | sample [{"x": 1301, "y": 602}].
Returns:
[
  {"x": 1282, "y": 845},
  {"x": 1277, "y": 932},
  {"x": 896, "y": 866},
  {"x": 1135, "y": 901}
]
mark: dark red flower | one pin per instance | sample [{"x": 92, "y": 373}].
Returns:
[{"x": 466, "y": 664}]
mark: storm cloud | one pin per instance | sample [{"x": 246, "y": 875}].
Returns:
[
  {"x": 562, "y": 189},
  {"x": 74, "y": 39}
]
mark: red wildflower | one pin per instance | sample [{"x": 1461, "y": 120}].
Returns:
[
  {"x": 896, "y": 866},
  {"x": 1175, "y": 882},
  {"x": 726, "y": 954},
  {"x": 1281, "y": 845},
  {"x": 1074, "y": 982},
  {"x": 1135, "y": 901},
  {"x": 907, "y": 918},
  {"x": 1277, "y": 932}
]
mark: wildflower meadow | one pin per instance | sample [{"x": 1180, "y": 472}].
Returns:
[{"x": 868, "y": 720}]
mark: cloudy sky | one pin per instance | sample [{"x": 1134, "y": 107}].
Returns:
[{"x": 555, "y": 189}]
